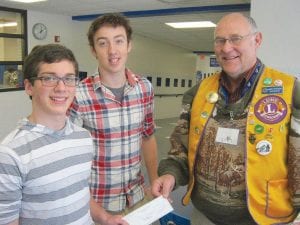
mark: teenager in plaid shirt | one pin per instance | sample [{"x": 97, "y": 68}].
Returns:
[{"x": 116, "y": 106}]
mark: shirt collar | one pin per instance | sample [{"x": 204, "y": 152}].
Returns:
[
  {"x": 131, "y": 79},
  {"x": 246, "y": 76},
  {"x": 25, "y": 124}
]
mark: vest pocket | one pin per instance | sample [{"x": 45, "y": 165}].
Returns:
[{"x": 278, "y": 199}]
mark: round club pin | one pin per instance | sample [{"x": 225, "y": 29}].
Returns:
[
  {"x": 267, "y": 81},
  {"x": 212, "y": 97},
  {"x": 264, "y": 147},
  {"x": 252, "y": 138},
  {"x": 259, "y": 129},
  {"x": 278, "y": 82},
  {"x": 204, "y": 114}
]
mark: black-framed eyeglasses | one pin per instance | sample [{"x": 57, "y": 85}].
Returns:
[
  {"x": 234, "y": 40},
  {"x": 52, "y": 81}
]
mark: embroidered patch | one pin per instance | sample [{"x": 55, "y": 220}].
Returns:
[{"x": 270, "y": 109}]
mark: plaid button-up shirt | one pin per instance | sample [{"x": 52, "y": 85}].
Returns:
[
  {"x": 235, "y": 95},
  {"x": 117, "y": 129}
]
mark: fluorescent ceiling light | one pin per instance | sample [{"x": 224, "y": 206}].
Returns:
[
  {"x": 28, "y": 1},
  {"x": 9, "y": 24},
  {"x": 196, "y": 24}
]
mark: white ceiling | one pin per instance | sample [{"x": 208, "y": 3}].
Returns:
[{"x": 150, "y": 26}]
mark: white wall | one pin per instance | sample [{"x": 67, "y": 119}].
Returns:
[
  {"x": 147, "y": 57},
  {"x": 279, "y": 22},
  {"x": 151, "y": 58},
  {"x": 14, "y": 106},
  {"x": 56, "y": 24},
  {"x": 81, "y": 47}
]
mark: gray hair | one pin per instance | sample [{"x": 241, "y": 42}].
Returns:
[{"x": 252, "y": 23}]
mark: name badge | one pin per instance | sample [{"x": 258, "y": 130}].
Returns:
[
  {"x": 227, "y": 135},
  {"x": 272, "y": 90}
]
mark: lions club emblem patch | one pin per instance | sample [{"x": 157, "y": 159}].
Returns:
[{"x": 270, "y": 109}]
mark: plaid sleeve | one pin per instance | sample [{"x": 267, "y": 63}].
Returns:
[
  {"x": 148, "y": 101},
  {"x": 73, "y": 112}
]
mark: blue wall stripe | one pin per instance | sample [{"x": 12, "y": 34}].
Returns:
[
  {"x": 172, "y": 11},
  {"x": 203, "y": 52}
]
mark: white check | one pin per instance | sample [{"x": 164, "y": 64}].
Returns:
[{"x": 149, "y": 212}]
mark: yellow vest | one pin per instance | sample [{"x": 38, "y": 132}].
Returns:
[{"x": 268, "y": 120}]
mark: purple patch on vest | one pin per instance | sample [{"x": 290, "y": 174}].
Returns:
[{"x": 270, "y": 109}]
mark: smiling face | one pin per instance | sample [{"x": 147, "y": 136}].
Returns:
[
  {"x": 50, "y": 104},
  {"x": 111, "y": 49},
  {"x": 236, "y": 59}
]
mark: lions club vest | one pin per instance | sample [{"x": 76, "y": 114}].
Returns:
[{"x": 267, "y": 126}]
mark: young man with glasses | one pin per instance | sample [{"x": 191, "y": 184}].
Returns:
[
  {"x": 237, "y": 142},
  {"x": 116, "y": 106},
  {"x": 45, "y": 162}
]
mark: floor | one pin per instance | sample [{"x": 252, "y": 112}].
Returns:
[{"x": 164, "y": 127}]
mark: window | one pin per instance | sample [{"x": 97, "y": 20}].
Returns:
[{"x": 13, "y": 48}]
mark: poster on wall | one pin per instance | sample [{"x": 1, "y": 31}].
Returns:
[
  {"x": 158, "y": 81},
  {"x": 213, "y": 62},
  {"x": 175, "y": 82},
  {"x": 149, "y": 78},
  {"x": 167, "y": 82},
  {"x": 182, "y": 82},
  {"x": 199, "y": 76}
]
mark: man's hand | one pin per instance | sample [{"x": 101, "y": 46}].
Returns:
[
  {"x": 163, "y": 185},
  {"x": 100, "y": 215},
  {"x": 114, "y": 220}
]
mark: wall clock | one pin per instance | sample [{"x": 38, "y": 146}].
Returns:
[{"x": 39, "y": 31}]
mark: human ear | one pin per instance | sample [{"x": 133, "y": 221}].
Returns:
[
  {"x": 258, "y": 39},
  {"x": 129, "y": 46},
  {"x": 93, "y": 51},
  {"x": 28, "y": 87}
]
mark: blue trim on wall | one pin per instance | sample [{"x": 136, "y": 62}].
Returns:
[
  {"x": 203, "y": 52},
  {"x": 172, "y": 11}
]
